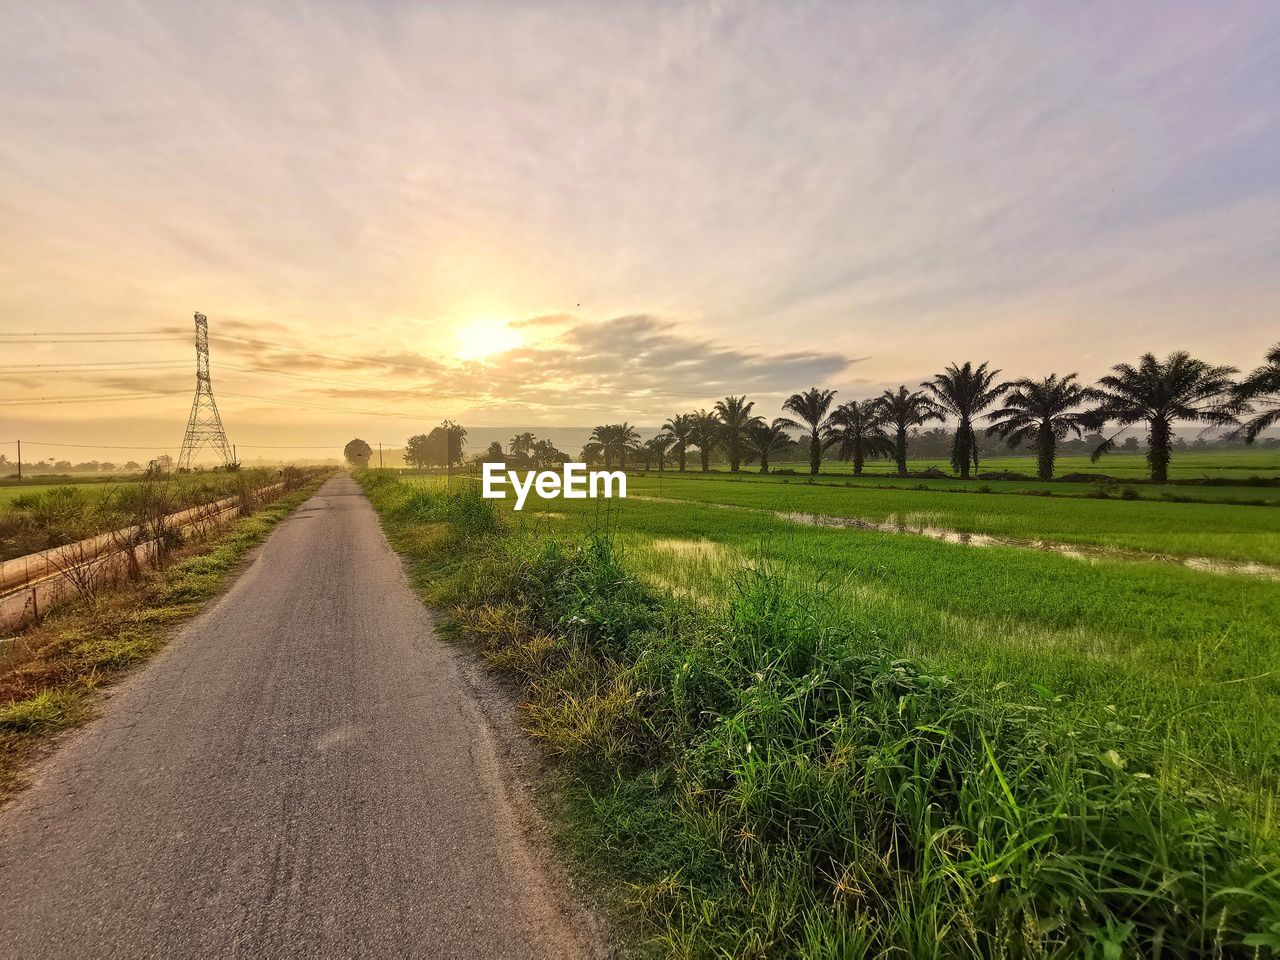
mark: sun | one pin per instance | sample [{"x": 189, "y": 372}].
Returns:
[{"x": 483, "y": 338}]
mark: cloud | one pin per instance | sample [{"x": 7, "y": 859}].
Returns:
[
  {"x": 762, "y": 197},
  {"x": 644, "y": 355}
]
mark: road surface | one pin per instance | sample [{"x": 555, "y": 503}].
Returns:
[{"x": 304, "y": 772}]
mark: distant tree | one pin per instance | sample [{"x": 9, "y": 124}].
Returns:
[
  {"x": 418, "y": 452},
  {"x": 159, "y": 466},
  {"x": 964, "y": 392},
  {"x": 811, "y": 407},
  {"x": 1130, "y": 445},
  {"x": 934, "y": 442},
  {"x": 905, "y": 409},
  {"x": 544, "y": 454},
  {"x": 616, "y": 440},
  {"x": 522, "y": 443},
  {"x": 679, "y": 427},
  {"x": 132, "y": 465},
  {"x": 357, "y": 453},
  {"x": 704, "y": 433},
  {"x": 592, "y": 453},
  {"x": 494, "y": 454},
  {"x": 857, "y": 431},
  {"x": 625, "y": 440},
  {"x": 656, "y": 449},
  {"x": 1042, "y": 412},
  {"x": 456, "y": 440},
  {"x": 1159, "y": 393},
  {"x": 106, "y": 465},
  {"x": 735, "y": 419},
  {"x": 1261, "y": 391},
  {"x": 602, "y": 440},
  {"x": 766, "y": 440}
]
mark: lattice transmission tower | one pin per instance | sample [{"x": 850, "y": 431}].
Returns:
[{"x": 204, "y": 426}]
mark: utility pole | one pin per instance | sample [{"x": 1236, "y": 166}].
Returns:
[
  {"x": 379, "y": 454},
  {"x": 204, "y": 426},
  {"x": 19, "y": 459}
]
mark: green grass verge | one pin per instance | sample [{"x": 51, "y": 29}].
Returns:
[
  {"x": 49, "y": 673},
  {"x": 767, "y": 773}
]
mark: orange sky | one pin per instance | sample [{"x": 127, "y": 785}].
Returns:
[{"x": 557, "y": 214}]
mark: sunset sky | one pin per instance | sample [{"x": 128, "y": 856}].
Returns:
[{"x": 559, "y": 214}]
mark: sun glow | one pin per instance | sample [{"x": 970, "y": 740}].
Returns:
[{"x": 483, "y": 338}]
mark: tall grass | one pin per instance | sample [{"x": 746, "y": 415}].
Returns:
[
  {"x": 57, "y": 515},
  {"x": 769, "y": 778}
]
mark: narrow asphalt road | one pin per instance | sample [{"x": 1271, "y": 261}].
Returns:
[{"x": 303, "y": 772}]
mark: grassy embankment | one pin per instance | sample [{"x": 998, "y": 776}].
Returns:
[
  {"x": 36, "y": 517},
  {"x": 832, "y": 743},
  {"x": 50, "y": 672}
]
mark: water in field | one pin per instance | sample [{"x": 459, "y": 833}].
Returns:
[
  {"x": 917, "y": 525},
  {"x": 904, "y": 525}
]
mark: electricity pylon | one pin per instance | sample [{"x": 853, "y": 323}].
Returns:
[{"x": 204, "y": 426}]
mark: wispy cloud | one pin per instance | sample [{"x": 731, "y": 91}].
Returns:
[{"x": 754, "y": 193}]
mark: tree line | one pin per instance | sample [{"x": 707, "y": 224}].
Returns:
[{"x": 1040, "y": 413}]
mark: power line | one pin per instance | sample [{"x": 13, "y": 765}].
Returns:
[
  {"x": 94, "y": 363},
  {"x": 96, "y": 333},
  {"x": 99, "y": 398},
  {"x": 90, "y": 446},
  {"x": 157, "y": 446},
  {"x": 10, "y": 339}
]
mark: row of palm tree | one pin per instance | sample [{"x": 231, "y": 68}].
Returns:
[{"x": 1040, "y": 413}]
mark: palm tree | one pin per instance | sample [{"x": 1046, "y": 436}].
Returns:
[
  {"x": 657, "y": 448},
  {"x": 906, "y": 409},
  {"x": 1158, "y": 392},
  {"x": 964, "y": 392},
  {"x": 679, "y": 427},
  {"x": 704, "y": 433},
  {"x": 602, "y": 439},
  {"x": 1042, "y": 412},
  {"x": 735, "y": 417},
  {"x": 858, "y": 430},
  {"x": 766, "y": 439},
  {"x": 1263, "y": 388},
  {"x": 625, "y": 440},
  {"x": 615, "y": 440},
  {"x": 811, "y": 407},
  {"x": 522, "y": 443}
]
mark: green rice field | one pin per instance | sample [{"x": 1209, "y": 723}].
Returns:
[{"x": 1141, "y": 631}]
